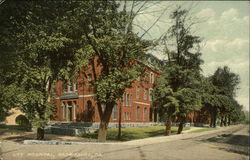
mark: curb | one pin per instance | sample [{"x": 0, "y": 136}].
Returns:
[{"x": 58, "y": 142}]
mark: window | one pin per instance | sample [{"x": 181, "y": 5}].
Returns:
[
  {"x": 151, "y": 77},
  {"x": 125, "y": 115},
  {"x": 145, "y": 77},
  {"x": 150, "y": 94},
  {"x": 114, "y": 112},
  {"x": 124, "y": 99},
  {"x": 128, "y": 115},
  {"x": 137, "y": 112},
  {"x": 144, "y": 113},
  {"x": 65, "y": 87},
  {"x": 137, "y": 92},
  {"x": 145, "y": 94},
  {"x": 127, "y": 99},
  {"x": 130, "y": 100},
  {"x": 89, "y": 77}
]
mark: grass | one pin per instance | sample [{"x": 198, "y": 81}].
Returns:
[
  {"x": 133, "y": 133},
  {"x": 201, "y": 130}
]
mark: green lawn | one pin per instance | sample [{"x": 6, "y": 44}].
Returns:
[
  {"x": 201, "y": 130},
  {"x": 134, "y": 133}
]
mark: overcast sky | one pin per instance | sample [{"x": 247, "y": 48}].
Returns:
[{"x": 225, "y": 32}]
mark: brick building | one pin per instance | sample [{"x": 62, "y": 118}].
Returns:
[{"x": 75, "y": 101}]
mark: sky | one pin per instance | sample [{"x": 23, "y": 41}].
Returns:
[{"x": 225, "y": 32}]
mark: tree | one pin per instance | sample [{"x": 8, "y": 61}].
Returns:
[
  {"x": 218, "y": 93},
  {"x": 183, "y": 65},
  {"x": 166, "y": 101},
  {"x": 44, "y": 39},
  {"x": 210, "y": 99},
  {"x": 110, "y": 38},
  {"x": 226, "y": 83}
]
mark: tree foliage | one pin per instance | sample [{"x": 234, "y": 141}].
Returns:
[
  {"x": 182, "y": 70},
  {"x": 109, "y": 36},
  {"x": 41, "y": 42}
]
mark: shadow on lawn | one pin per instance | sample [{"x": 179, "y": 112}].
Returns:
[
  {"x": 159, "y": 133},
  {"x": 128, "y": 135}
]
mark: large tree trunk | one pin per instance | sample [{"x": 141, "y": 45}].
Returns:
[
  {"x": 229, "y": 121},
  {"x": 102, "y": 132},
  {"x": 225, "y": 121},
  {"x": 180, "y": 128},
  {"x": 212, "y": 119},
  {"x": 104, "y": 121},
  {"x": 168, "y": 126},
  {"x": 181, "y": 125},
  {"x": 120, "y": 125},
  {"x": 221, "y": 121},
  {"x": 40, "y": 134},
  {"x": 215, "y": 119}
]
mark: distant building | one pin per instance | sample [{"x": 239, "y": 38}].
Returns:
[{"x": 11, "y": 119}]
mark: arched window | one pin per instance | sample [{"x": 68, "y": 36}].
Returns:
[
  {"x": 127, "y": 99},
  {"x": 144, "y": 114},
  {"x": 137, "y": 92},
  {"x": 151, "y": 94},
  {"x": 137, "y": 112},
  {"x": 89, "y": 105}
]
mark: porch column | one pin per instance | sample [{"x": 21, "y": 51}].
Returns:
[{"x": 67, "y": 114}]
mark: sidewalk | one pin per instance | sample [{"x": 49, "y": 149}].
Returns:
[{"x": 192, "y": 129}]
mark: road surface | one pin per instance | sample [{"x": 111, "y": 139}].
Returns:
[{"x": 229, "y": 143}]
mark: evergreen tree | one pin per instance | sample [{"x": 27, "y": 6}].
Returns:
[{"x": 183, "y": 67}]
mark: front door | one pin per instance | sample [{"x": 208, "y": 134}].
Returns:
[{"x": 69, "y": 115}]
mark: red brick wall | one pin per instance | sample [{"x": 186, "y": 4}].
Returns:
[{"x": 86, "y": 94}]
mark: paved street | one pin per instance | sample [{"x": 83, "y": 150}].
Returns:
[{"x": 229, "y": 143}]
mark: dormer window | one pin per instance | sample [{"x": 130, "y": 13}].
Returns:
[
  {"x": 75, "y": 86},
  {"x": 70, "y": 87}
]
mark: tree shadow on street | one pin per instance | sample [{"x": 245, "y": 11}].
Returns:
[{"x": 231, "y": 143}]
